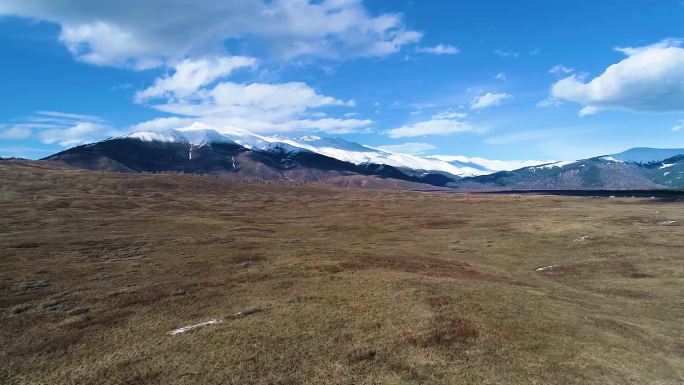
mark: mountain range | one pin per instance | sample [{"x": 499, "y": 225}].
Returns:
[{"x": 238, "y": 154}]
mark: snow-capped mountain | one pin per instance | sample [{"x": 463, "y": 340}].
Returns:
[
  {"x": 238, "y": 154},
  {"x": 647, "y": 155},
  {"x": 199, "y": 134},
  {"x": 637, "y": 168},
  {"x": 488, "y": 166}
]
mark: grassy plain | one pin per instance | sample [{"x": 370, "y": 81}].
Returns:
[{"x": 335, "y": 286}]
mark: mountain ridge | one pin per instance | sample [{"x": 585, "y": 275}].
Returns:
[{"x": 200, "y": 148}]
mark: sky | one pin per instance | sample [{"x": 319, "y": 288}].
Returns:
[{"x": 499, "y": 79}]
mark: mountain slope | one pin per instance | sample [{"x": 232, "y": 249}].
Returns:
[
  {"x": 640, "y": 168},
  {"x": 209, "y": 152},
  {"x": 337, "y": 148},
  {"x": 647, "y": 155},
  {"x": 239, "y": 154}
]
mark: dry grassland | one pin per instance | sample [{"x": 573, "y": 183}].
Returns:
[{"x": 321, "y": 285}]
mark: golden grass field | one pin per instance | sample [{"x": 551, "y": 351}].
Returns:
[{"x": 335, "y": 286}]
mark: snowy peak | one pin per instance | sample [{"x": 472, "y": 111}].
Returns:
[
  {"x": 336, "y": 143},
  {"x": 308, "y": 138},
  {"x": 203, "y": 137},
  {"x": 561, "y": 163},
  {"x": 284, "y": 148},
  {"x": 195, "y": 136},
  {"x": 200, "y": 134},
  {"x": 645, "y": 155},
  {"x": 155, "y": 136}
]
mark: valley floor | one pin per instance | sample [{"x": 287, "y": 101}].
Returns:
[{"x": 322, "y": 285}]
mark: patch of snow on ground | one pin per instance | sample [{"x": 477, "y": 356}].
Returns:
[
  {"x": 160, "y": 136},
  {"x": 582, "y": 238},
  {"x": 555, "y": 164},
  {"x": 186, "y": 329},
  {"x": 611, "y": 159},
  {"x": 544, "y": 268},
  {"x": 666, "y": 165},
  {"x": 667, "y": 223}
]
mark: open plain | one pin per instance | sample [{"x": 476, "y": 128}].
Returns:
[{"x": 311, "y": 284}]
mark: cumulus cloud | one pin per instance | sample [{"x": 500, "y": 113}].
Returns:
[
  {"x": 651, "y": 78},
  {"x": 414, "y": 148},
  {"x": 489, "y": 99},
  {"x": 189, "y": 75},
  {"x": 440, "y": 49},
  {"x": 258, "y": 107},
  {"x": 500, "y": 76},
  {"x": 445, "y": 123},
  {"x": 229, "y": 98},
  {"x": 147, "y": 34}
]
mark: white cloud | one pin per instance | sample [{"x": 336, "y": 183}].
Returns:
[
  {"x": 77, "y": 134},
  {"x": 328, "y": 125},
  {"x": 678, "y": 126},
  {"x": 588, "y": 110},
  {"x": 547, "y": 103},
  {"x": 66, "y": 129},
  {"x": 189, "y": 75},
  {"x": 263, "y": 108},
  {"x": 500, "y": 76},
  {"x": 507, "y": 54},
  {"x": 162, "y": 124},
  {"x": 61, "y": 116},
  {"x": 651, "y": 78},
  {"x": 15, "y": 132},
  {"x": 560, "y": 69},
  {"x": 448, "y": 114},
  {"x": 488, "y": 100},
  {"x": 440, "y": 49},
  {"x": 194, "y": 91},
  {"x": 274, "y": 100},
  {"x": 445, "y": 123},
  {"x": 147, "y": 34},
  {"x": 414, "y": 148}
]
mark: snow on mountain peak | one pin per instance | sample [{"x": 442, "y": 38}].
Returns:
[
  {"x": 200, "y": 134},
  {"x": 648, "y": 155},
  {"x": 308, "y": 138},
  {"x": 203, "y": 136},
  {"x": 159, "y": 136},
  {"x": 196, "y": 135}
]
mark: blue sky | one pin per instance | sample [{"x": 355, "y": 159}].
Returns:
[{"x": 496, "y": 79}]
